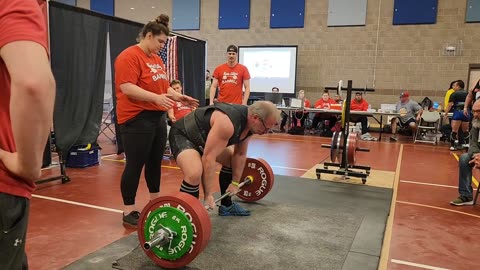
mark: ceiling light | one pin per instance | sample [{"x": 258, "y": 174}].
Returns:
[
  {"x": 153, "y": 7},
  {"x": 132, "y": 8}
]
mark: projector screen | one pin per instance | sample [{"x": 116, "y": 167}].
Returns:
[{"x": 270, "y": 66}]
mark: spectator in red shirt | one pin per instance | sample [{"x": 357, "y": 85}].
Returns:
[
  {"x": 324, "y": 103},
  {"x": 178, "y": 110},
  {"x": 303, "y": 114},
  {"x": 230, "y": 78},
  {"x": 27, "y": 90},
  {"x": 359, "y": 104}
]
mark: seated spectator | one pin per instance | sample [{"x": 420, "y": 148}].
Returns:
[
  {"x": 337, "y": 99},
  {"x": 283, "y": 114},
  {"x": 325, "y": 102},
  {"x": 410, "y": 113},
  {"x": 178, "y": 110},
  {"x": 468, "y": 161},
  {"x": 360, "y": 104},
  {"x": 301, "y": 116}
]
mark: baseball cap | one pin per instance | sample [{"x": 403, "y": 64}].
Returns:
[
  {"x": 404, "y": 94},
  {"x": 232, "y": 48}
]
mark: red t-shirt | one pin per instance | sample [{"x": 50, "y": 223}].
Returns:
[
  {"x": 321, "y": 104},
  {"x": 306, "y": 103},
  {"x": 134, "y": 66},
  {"x": 180, "y": 110},
  {"x": 20, "y": 20},
  {"x": 359, "y": 106},
  {"x": 230, "y": 82}
]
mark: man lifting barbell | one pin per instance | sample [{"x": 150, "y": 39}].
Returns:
[{"x": 218, "y": 133}]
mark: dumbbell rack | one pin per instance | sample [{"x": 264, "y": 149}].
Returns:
[{"x": 344, "y": 168}]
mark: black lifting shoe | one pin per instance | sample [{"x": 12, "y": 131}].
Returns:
[{"x": 131, "y": 219}]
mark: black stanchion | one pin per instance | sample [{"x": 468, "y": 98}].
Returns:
[{"x": 344, "y": 168}]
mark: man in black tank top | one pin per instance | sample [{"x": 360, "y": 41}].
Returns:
[{"x": 218, "y": 133}]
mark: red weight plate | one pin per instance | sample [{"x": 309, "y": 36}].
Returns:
[
  {"x": 263, "y": 180},
  {"x": 333, "y": 147},
  {"x": 198, "y": 216},
  {"x": 352, "y": 148}
]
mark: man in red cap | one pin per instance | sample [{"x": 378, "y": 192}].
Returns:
[
  {"x": 410, "y": 113},
  {"x": 231, "y": 77}
]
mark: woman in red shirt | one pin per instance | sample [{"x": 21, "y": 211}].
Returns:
[
  {"x": 303, "y": 114},
  {"x": 143, "y": 97}
]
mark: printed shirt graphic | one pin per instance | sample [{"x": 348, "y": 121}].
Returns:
[
  {"x": 322, "y": 104},
  {"x": 230, "y": 82},
  {"x": 147, "y": 72},
  {"x": 180, "y": 110},
  {"x": 407, "y": 110}
]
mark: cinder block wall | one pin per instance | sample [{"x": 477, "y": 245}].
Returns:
[{"x": 381, "y": 55}]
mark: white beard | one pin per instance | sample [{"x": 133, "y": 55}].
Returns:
[{"x": 476, "y": 123}]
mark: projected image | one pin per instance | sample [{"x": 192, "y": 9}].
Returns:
[{"x": 268, "y": 64}]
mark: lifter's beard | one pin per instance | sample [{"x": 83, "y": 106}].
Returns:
[{"x": 476, "y": 123}]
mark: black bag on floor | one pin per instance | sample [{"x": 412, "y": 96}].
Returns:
[{"x": 296, "y": 131}]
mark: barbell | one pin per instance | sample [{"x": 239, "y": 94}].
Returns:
[
  {"x": 336, "y": 147},
  {"x": 174, "y": 229}
]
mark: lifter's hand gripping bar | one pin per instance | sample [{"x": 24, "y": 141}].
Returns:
[{"x": 247, "y": 181}]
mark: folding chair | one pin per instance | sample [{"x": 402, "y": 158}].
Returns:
[
  {"x": 429, "y": 121},
  {"x": 105, "y": 126}
]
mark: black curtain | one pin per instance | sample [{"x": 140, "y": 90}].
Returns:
[
  {"x": 122, "y": 35},
  {"x": 191, "y": 67},
  {"x": 78, "y": 51}
]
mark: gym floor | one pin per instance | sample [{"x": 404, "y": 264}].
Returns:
[{"x": 424, "y": 231}]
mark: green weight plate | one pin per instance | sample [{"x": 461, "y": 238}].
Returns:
[{"x": 175, "y": 220}]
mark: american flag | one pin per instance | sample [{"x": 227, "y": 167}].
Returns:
[{"x": 169, "y": 57}]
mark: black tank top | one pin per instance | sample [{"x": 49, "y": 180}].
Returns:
[{"x": 238, "y": 114}]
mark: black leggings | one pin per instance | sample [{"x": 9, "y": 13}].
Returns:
[{"x": 144, "y": 138}]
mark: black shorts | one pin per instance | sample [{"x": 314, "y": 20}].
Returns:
[
  {"x": 14, "y": 211},
  {"x": 406, "y": 123},
  {"x": 179, "y": 142}
]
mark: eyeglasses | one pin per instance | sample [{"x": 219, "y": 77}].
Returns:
[
  {"x": 475, "y": 111},
  {"x": 263, "y": 123}
]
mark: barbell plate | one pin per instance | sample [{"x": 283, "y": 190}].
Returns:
[
  {"x": 199, "y": 221},
  {"x": 352, "y": 148},
  {"x": 263, "y": 180},
  {"x": 339, "y": 154},
  {"x": 175, "y": 220},
  {"x": 333, "y": 147}
]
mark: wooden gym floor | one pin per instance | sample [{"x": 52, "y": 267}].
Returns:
[{"x": 424, "y": 231}]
